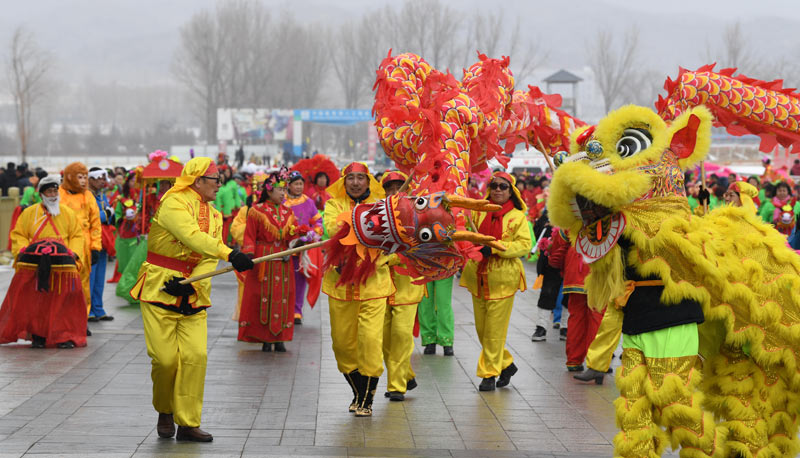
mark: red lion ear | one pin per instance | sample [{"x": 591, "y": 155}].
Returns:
[
  {"x": 684, "y": 140},
  {"x": 585, "y": 135}
]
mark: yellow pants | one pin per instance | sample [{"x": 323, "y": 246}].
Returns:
[
  {"x": 398, "y": 345},
  {"x": 491, "y": 324},
  {"x": 601, "y": 350},
  {"x": 357, "y": 334},
  {"x": 177, "y": 346},
  {"x": 85, "y": 274}
]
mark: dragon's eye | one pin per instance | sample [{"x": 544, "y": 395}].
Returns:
[
  {"x": 633, "y": 141},
  {"x": 421, "y": 203},
  {"x": 426, "y": 235}
]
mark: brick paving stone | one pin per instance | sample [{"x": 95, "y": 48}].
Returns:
[{"x": 96, "y": 401}]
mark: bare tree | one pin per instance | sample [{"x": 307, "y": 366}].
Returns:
[
  {"x": 734, "y": 50},
  {"x": 199, "y": 64},
  {"x": 487, "y": 34},
  {"x": 613, "y": 67},
  {"x": 356, "y": 50},
  {"x": 27, "y": 70}
]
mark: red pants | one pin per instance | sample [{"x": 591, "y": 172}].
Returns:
[
  {"x": 581, "y": 328},
  {"x": 226, "y": 228}
]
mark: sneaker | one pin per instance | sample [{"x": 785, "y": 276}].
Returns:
[
  {"x": 578, "y": 368},
  {"x": 562, "y": 334},
  {"x": 430, "y": 349},
  {"x": 539, "y": 335},
  {"x": 556, "y": 325}
]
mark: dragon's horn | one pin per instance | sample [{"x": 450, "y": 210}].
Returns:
[
  {"x": 454, "y": 200},
  {"x": 477, "y": 238}
]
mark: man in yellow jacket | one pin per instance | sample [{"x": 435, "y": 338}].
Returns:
[
  {"x": 495, "y": 280},
  {"x": 185, "y": 240},
  {"x": 75, "y": 194},
  {"x": 398, "y": 322},
  {"x": 356, "y": 311}
]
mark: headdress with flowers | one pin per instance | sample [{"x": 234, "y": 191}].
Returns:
[{"x": 276, "y": 179}]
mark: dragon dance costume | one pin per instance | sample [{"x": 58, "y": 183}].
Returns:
[
  {"x": 494, "y": 281},
  {"x": 356, "y": 309},
  {"x": 185, "y": 240},
  {"x": 398, "y": 322}
]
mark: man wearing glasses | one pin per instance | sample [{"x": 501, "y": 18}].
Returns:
[{"x": 185, "y": 240}]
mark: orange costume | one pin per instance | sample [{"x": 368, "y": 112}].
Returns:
[{"x": 82, "y": 202}]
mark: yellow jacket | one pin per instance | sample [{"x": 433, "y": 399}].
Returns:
[
  {"x": 70, "y": 230},
  {"x": 378, "y": 285},
  {"x": 185, "y": 229},
  {"x": 504, "y": 273},
  {"x": 238, "y": 225},
  {"x": 406, "y": 292},
  {"x": 85, "y": 207}
]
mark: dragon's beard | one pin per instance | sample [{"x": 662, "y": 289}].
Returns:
[{"x": 606, "y": 281}]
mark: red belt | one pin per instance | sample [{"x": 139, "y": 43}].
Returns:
[{"x": 184, "y": 267}]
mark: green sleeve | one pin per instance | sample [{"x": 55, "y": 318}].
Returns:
[
  {"x": 766, "y": 211},
  {"x": 28, "y": 197}
]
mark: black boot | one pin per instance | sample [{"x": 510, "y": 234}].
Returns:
[
  {"x": 370, "y": 385},
  {"x": 353, "y": 378},
  {"x": 591, "y": 374},
  {"x": 430, "y": 349},
  {"x": 505, "y": 375},
  {"x": 280, "y": 347},
  {"x": 448, "y": 351},
  {"x": 266, "y": 346}
]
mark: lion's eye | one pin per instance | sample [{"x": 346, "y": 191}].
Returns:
[{"x": 633, "y": 141}]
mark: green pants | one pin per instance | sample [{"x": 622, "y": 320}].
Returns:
[{"x": 435, "y": 314}]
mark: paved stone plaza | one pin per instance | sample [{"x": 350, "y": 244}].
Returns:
[{"x": 95, "y": 401}]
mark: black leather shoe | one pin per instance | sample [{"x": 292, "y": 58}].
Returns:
[
  {"x": 575, "y": 368},
  {"x": 487, "y": 384},
  {"x": 505, "y": 375},
  {"x": 298, "y": 321},
  {"x": 280, "y": 347},
  {"x": 448, "y": 351},
  {"x": 396, "y": 396},
  {"x": 67, "y": 344},
  {"x": 186, "y": 433},
  {"x": 38, "y": 342},
  {"x": 266, "y": 347},
  {"x": 430, "y": 349},
  {"x": 411, "y": 384},
  {"x": 93, "y": 319},
  {"x": 106, "y": 318},
  {"x": 88, "y": 332},
  {"x": 539, "y": 335},
  {"x": 165, "y": 426}
]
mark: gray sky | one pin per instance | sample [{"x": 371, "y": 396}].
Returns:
[{"x": 132, "y": 41}]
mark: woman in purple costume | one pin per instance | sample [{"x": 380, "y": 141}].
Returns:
[{"x": 305, "y": 211}]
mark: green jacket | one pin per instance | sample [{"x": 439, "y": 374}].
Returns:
[
  {"x": 30, "y": 197},
  {"x": 228, "y": 198}
]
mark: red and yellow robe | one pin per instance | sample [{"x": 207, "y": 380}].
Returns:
[{"x": 267, "y": 313}]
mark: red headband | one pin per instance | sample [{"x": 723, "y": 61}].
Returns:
[
  {"x": 212, "y": 168},
  {"x": 504, "y": 176},
  {"x": 392, "y": 176},
  {"x": 355, "y": 167}
]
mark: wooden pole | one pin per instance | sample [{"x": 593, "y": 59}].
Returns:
[
  {"x": 546, "y": 157},
  {"x": 407, "y": 183},
  {"x": 703, "y": 174},
  {"x": 269, "y": 257}
]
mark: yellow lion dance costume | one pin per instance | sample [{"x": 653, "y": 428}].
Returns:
[{"x": 711, "y": 333}]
